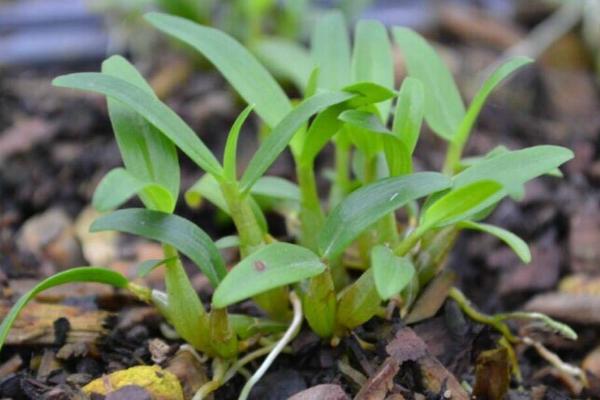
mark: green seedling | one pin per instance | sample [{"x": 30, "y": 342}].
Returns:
[{"x": 349, "y": 101}]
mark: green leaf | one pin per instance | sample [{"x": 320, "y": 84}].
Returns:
[
  {"x": 325, "y": 125},
  {"x": 444, "y": 108},
  {"x": 230, "y": 153},
  {"x": 184, "y": 309},
  {"x": 241, "y": 69},
  {"x": 275, "y": 265},
  {"x": 152, "y": 109},
  {"x": 364, "y": 120},
  {"x": 246, "y": 326},
  {"x": 513, "y": 241},
  {"x": 276, "y": 54},
  {"x": 147, "y": 154},
  {"x": 370, "y": 93},
  {"x": 281, "y": 134},
  {"x": 359, "y": 302},
  {"x": 81, "y": 274},
  {"x": 514, "y": 168},
  {"x": 330, "y": 51},
  {"x": 319, "y": 304},
  {"x": 372, "y": 136},
  {"x": 171, "y": 229},
  {"x": 276, "y": 188},
  {"x": 391, "y": 273},
  {"x": 208, "y": 187},
  {"x": 409, "y": 112},
  {"x": 227, "y": 242},
  {"x": 372, "y": 59},
  {"x": 500, "y": 74},
  {"x": 119, "y": 185},
  {"x": 460, "y": 203},
  {"x": 370, "y": 203},
  {"x": 147, "y": 266}
]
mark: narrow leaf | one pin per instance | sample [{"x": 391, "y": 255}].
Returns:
[
  {"x": 147, "y": 266},
  {"x": 246, "y": 326},
  {"x": 330, "y": 48},
  {"x": 230, "y": 153},
  {"x": 359, "y": 302},
  {"x": 391, "y": 273},
  {"x": 409, "y": 112},
  {"x": 514, "y": 168},
  {"x": 208, "y": 187},
  {"x": 517, "y": 244},
  {"x": 147, "y": 153},
  {"x": 281, "y": 134},
  {"x": 276, "y": 54},
  {"x": 372, "y": 59},
  {"x": 272, "y": 266},
  {"x": 227, "y": 242},
  {"x": 444, "y": 108},
  {"x": 459, "y": 203},
  {"x": 241, "y": 69},
  {"x": 276, "y": 188},
  {"x": 500, "y": 74},
  {"x": 152, "y": 109},
  {"x": 171, "y": 229},
  {"x": 81, "y": 274},
  {"x": 370, "y": 203},
  {"x": 119, "y": 185}
]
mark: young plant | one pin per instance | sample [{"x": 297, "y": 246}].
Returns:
[{"x": 349, "y": 101}]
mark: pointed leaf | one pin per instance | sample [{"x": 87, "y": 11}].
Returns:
[
  {"x": 119, "y": 185},
  {"x": 330, "y": 48},
  {"x": 81, "y": 274},
  {"x": 514, "y": 168},
  {"x": 372, "y": 59},
  {"x": 498, "y": 76},
  {"x": 391, "y": 273},
  {"x": 276, "y": 54},
  {"x": 359, "y": 302},
  {"x": 147, "y": 153},
  {"x": 281, "y": 134},
  {"x": 459, "y": 203},
  {"x": 207, "y": 187},
  {"x": 370, "y": 203},
  {"x": 444, "y": 108},
  {"x": 230, "y": 153},
  {"x": 513, "y": 241},
  {"x": 409, "y": 112},
  {"x": 241, "y": 69},
  {"x": 171, "y": 229},
  {"x": 147, "y": 266},
  {"x": 277, "y": 188},
  {"x": 152, "y": 109},
  {"x": 272, "y": 266}
]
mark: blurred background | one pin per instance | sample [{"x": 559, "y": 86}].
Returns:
[{"x": 55, "y": 145}]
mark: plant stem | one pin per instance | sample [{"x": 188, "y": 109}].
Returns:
[
  {"x": 493, "y": 321},
  {"x": 342, "y": 183},
  {"x": 291, "y": 332},
  {"x": 410, "y": 241},
  {"x": 219, "y": 370},
  {"x": 251, "y": 236},
  {"x": 311, "y": 213}
]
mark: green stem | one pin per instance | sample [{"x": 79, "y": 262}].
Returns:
[
  {"x": 342, "y": 183},
  {"x": 410, "y": 241},
  {"x": 453, "y": 156},
  {"x": 311, "y": 213},
  {"x": 251, "y": 236}
]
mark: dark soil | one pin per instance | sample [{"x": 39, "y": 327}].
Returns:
[{"x": 56, "y": 145}]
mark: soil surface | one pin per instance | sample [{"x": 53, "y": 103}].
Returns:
[{"x": 56, "y": 145}]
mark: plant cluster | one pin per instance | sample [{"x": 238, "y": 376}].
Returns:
[{"x": 349, "y": 100}]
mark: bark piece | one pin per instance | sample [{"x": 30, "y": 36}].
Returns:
[{"x": 35, "y": 324}]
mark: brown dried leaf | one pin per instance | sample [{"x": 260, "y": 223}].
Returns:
[{"x": 492, "y": 374}]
